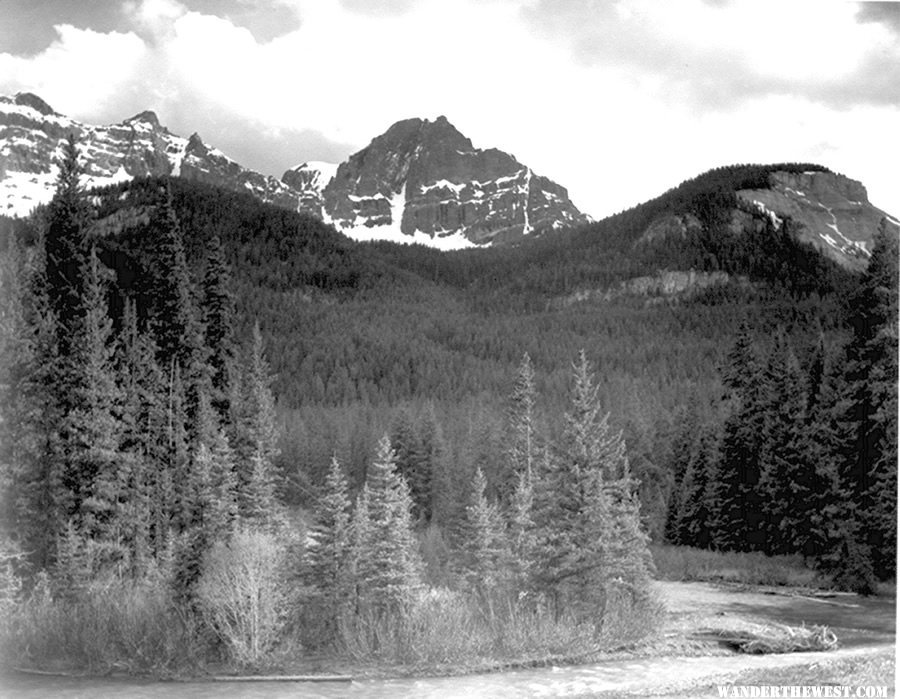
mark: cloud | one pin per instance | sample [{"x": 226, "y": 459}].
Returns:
[
  {"x": 28, "y": 27},
  {"x": 886, "y": 13},
  {"x": 615, "y": 101},
  {"x": 720, "y": 54},
  {"x": 378, "y": 8}
]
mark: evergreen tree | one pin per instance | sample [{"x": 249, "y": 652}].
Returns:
[
  {"x": 145, "y": 434},
  {"x": 66, "y": 248},
  {"x": 740, "y": 519},
  {"x": 218, "y": 318},
  {"x": 97, "y": 470},
  {"x": 522, "y": 447},
  {"x": 589, "y": 534},
  {"x": 486, "y": 554},
  {"x": 328, "y": 548},
  {"x": 389, "y": 567},
  {"x": 693, "y": 509},
  {"x": 782, "y": 447},
  {"x": 869, "y": 457},
  {"x": 521, "y": 531},
  {"x": 413, "y": 463},
  {"x": 256, "y": 441}
]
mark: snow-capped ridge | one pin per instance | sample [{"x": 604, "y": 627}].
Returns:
[{"x": 421, "y": 179}]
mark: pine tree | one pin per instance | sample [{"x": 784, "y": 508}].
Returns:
[
  {"x": 589, "y": 534},
  {"x": 145, "y": 435},
  {"x": 869, "y": 456},
  {"x": 741, "y": 522},
  {"x": 523, "y": 447},
  {"x": 328, "y": 554},
  {"x": 486, "y": 554},
  {"x": 66, "y": 248},
  {"x": 521, "y": 532},
  {"x": 684, "y": 451},
  {"x": 389, "y": 566},
  {"x": 782, "y": 447},
  {"x": 413, "y": 463},
  {"x": 256, "y": 441},
  {"x": 218, "y": 318},
  {"x": 16, "y": 356},
  {"x": 360, "y": 537},
  {"x": 693, "y": 511},
  {"x": 173, "y": 314},
  {"x": 97, "y": 470}
]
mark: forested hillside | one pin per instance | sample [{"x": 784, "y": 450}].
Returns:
[{"x": 368, "y": 339}]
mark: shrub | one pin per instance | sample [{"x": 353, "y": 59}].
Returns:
[
  {"x": 241, "y": 595},
  {"x": 111, "y": 625},
  {"x": 750, "y": 568}
]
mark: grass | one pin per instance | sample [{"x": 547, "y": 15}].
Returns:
[
  {"x": 121, "y": 628},
  {"x": 133, "y": 628},
  {"x": 682, "y": 563},
  {"x": 451, "y": 630}
]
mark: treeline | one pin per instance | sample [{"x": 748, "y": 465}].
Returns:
[{"x": 806, "y": 458}]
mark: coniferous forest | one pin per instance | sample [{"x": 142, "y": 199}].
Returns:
[{"x": 230, "y": 434}]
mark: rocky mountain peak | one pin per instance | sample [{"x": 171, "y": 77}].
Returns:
[
  {"x": 28, "y": 99},
  {"x": 424, "y": 180},
  {"x": 146, "y": 117}
]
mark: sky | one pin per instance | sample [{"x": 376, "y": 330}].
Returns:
[{"x": 616, "y": 100}]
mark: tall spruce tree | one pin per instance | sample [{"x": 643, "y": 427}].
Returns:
[
  {"x": 389, "y": 567},
  {"x": 66, "y": 248},
  {"x": 218, "y": 318},
  {"x": 486, "y": 552},
  {"x": 255, "y": 440},
  {"x": 145, "y": 419},
  {"x": 782, "y": 447},
  {"x": 589, "y": 535},
  {"x": 523, "y": 440},
  {"x": 99, "y": 470},
  {"x": 328, "y": 551},
  {"x": 741, "y": 521}
]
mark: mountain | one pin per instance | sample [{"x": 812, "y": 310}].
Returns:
[
  {"x": 829, "y": 211},
  {"x": 426, "y": 180},
  {"x": 31, "y": 134},
  {"x": 420, "y": 181}
]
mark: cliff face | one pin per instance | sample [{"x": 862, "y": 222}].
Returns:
[
  {"x": 425, "y": 179},
  {"x": 832, "y": 212}
]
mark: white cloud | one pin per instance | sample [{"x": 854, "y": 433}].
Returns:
[
  {"x": 651, "y": 95},
  {"x": 83, "y": 71}
]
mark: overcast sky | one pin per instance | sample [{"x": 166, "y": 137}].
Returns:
[{"x": 618, "y": 101}]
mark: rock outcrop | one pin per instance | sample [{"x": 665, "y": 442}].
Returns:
[{"x": 830, "y": 211}]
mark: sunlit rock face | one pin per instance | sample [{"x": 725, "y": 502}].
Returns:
[{"x": 830, "y": 211}]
